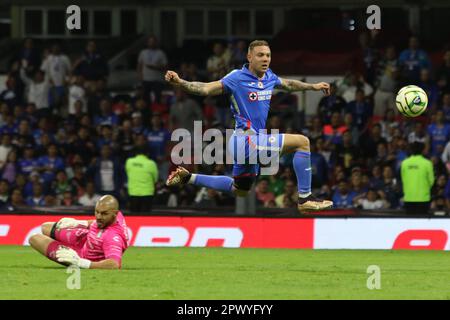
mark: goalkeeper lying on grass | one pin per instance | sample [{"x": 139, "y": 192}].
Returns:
[{"x": 86, "y": 244}]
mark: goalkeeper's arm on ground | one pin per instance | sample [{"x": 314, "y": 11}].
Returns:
[{"x": 70, "y": 257}]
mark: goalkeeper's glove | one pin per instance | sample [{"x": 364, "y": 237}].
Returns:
[
  {"x": 65, "y": 223},
  {"x": 69, "y": 256}
]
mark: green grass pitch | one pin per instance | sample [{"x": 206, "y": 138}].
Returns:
[{"x": 217, "y": 273}]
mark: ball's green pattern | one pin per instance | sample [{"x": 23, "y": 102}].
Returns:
[{"x": 411, "y": 101}]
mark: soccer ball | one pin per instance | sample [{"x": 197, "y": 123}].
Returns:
[{"x": 411, "y": 101}]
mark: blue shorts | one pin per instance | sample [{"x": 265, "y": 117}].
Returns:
[{"x": 249, "y": 150}]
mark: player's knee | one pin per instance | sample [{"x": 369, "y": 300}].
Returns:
[
  {"x": 46, "y": 228},
  {"x": 242, "y": 185},
  {"x": 302, "y": 142},
  {"x": 33, "y": 240}
]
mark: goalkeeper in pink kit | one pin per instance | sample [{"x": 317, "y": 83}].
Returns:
[{"x": 94, "y": 244}]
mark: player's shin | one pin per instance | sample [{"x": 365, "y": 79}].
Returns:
[
  {"x": 220, "y": 183},
  {"x": 302, "y": 168}
]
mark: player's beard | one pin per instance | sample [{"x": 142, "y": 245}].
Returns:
[
  {"x": 101, "y": 225},
  {"x": 105, "y": 224}
]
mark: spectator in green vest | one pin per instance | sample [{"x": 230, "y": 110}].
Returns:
[
  {"x": 142, "y": 174},
  {"x": 418, "y": 178}
]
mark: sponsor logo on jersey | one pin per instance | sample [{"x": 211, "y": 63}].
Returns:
[{"x": 260, "y": 96}]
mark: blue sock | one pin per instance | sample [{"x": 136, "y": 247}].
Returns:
[
  {"x": 221, "y": 183},
  {"x": 302, "y": 168}
]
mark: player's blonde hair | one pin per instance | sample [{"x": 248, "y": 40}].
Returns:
[{"x": 257, "y": 43}]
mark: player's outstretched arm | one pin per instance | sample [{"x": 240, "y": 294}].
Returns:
[
  {"x": 297, "y": 85},
  {"x": 70, "y": 257},
  {"x": 105, "y": 264},
  {"x": 198, "y": 88}
]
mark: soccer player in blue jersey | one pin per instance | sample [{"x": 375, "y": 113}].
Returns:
[{"x": 250, "y": 90}]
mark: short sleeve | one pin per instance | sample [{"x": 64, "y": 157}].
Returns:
[
  {"x": 277, "y": 80},
  {"x": 230, "y": 81},
  {"x": 113, "y": 248}
]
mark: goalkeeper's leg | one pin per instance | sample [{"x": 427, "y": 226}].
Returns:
[
  {"x": 40, "y": 243},
  {"x": 72, "y": 237},
  {"x": 50, "y": 228},
  {"x": 47, "y": 228},
  {"x": 48, "y": 246},
  {"x": 51, "y": 239}
]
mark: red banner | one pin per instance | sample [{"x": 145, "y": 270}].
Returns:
[
  {"x": 185, "y": 231},
  {"x": 236, "y": 232}
]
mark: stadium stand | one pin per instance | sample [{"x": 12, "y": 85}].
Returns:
[{"x": 356, "y": 151}]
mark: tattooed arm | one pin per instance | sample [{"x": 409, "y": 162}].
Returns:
[
  {"x": 296, "y": 85},
  {"x": 198, "y": 88}
]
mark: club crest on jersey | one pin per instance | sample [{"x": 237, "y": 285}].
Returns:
[
  {"x": 99, "y": 234},
  {"x": 253, "y": 96},
  {"x": 260, "y": 85}
]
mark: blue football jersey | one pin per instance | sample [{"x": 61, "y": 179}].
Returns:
[{"x": 250, "y": 97}]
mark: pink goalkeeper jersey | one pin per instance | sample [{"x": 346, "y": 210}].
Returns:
[{"x": 108, "y": 243}]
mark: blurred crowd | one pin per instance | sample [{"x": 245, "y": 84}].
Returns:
[
  {"x": 65, "y": 137},
  {"x": 359, "y": 140}
]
